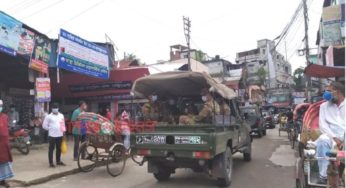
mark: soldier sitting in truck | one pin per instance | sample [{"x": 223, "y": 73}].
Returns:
[
  {"x": 210, "y": 108},
  {"x": 170, "y": 111},
  {"x": 224, "y": 108},
  {"x": 150, "y": 110}
]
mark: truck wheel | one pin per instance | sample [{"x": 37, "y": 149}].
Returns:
[
  {"x": 260, "y": 134},
  {"x": 247, "y": 153},
  {"x": 265, "y": 132},
  {"x": 163, "y": 174},
  {"x": 227, "y": 165}
]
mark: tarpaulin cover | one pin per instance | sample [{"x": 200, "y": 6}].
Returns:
[
  {"x": 94, "y": 124},
  {"x": 179, "y": 83}
]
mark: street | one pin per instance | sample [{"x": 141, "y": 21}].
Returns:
[{"x": 272, "y": 166}]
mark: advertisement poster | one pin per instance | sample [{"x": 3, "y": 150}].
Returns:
[
  {"x": 10, "y": 30},
  {"x": 26, "y": 42},
  {"x": 43, "y": 93},
  {"x": 41, "y": 54},
  {"x": 81, "y": 56}
]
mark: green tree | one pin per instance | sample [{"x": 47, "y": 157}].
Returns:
[
  {"x": 133, "y": 57},
  {"x": 298, "y": 78},
  {"x": 261, "y": 73}
]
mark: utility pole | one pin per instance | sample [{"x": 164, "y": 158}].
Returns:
[
  {"x": 306, "y": 19},
  {"x": 187, "y": 26},
  {"x": 307, "y": 49}
]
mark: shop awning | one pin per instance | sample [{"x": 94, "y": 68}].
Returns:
[
  {"x": 320, "y": 71},
  {"x": 73, "y": 85}
]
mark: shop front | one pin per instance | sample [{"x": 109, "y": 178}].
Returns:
[
  {"x": 24, "y": 57},
  {"x": 100, "y": 94}
]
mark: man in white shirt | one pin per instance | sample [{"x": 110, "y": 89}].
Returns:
[
  {"x": 331, "y": 124},
  {"x": 55, "y": 124}
]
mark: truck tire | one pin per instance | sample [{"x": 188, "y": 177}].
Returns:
[
  {"x": 260, "y": 134},
  {"x": 162, "y": 174},
  {"x": 248, "y": 152},
  {"x": 265, "y": 131},
  {"x": 227, "y": 166}
]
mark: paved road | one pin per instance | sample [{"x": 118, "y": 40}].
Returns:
[{"x": 271, "y": 167}]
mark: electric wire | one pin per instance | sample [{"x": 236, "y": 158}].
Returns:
[
  {"x": 77, "y": 15},
  {"x": 43, "y": 9}
]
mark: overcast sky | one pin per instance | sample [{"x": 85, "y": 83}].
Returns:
[{"x": 147, "y": 28}]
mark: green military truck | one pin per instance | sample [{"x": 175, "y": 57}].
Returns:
[{"x": 202, "y": 147}]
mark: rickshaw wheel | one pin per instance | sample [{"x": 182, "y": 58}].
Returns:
[
  {"x": 87, "y": 157},
  {"x": 137, "y": 158},
  {"x": 116, "y": 161}
]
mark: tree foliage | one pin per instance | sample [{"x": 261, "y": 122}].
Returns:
[
  {"x": 261, "y": 73},
  {"x": 133, "y": 57},
  {"x": 298, "y": 78}
]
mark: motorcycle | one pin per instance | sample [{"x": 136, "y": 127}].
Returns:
[{"x": 19, "y": 138}]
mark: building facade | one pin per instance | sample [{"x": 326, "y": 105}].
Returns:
[{"x": 266, "y": 70}]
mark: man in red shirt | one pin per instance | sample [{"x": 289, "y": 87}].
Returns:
[{"x": 5, "y": 154}]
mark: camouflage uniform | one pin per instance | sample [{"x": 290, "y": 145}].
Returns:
[
  {"x": 225, "y": 110},
  {"x": 151, "y": 112},
  {"x": 207, "y": 113}
]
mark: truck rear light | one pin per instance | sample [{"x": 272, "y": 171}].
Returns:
[
  {"x": 201, "y": 154},
  {"x": 143, "y": 152}
]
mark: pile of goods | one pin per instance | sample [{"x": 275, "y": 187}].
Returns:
[{"x": 94, "y": 124}]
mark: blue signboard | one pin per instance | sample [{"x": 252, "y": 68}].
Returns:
[{"x": 81, "y": 56}]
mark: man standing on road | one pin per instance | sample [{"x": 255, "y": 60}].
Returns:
[
  {"x": 5, "y": 154},
  {"x": 332, "y": 125},
  {"x": 78, "y": 135},
  {"x": 55, "y": 124}
]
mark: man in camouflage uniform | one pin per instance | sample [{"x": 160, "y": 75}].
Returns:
[
  {"x": 224, "y": 108},
  {"x": 210, "y": 108},
  {"x": 150, "y": 110}
]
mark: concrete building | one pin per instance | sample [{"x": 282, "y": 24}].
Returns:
[
  {"x": 256, "y": 58},
  {"x": 266, "y": 72},
  {"x": 180, "y": 52},
  {"x": 224, "y": 71}
]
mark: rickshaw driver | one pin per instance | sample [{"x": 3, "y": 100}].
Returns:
[
  {"x": 331, "y": 124},
  {"x": 210, "y": 108},
  {"x": 150, "y": 110}
]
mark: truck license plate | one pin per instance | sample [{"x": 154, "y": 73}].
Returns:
[
  {"x": 187, "y": 139},
  {"x": 154, "y": 139}
]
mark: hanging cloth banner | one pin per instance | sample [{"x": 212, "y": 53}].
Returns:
[
  {"x": 81, "y": 56},
  {"x": 43, "y": 92}
]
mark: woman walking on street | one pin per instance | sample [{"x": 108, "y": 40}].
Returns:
[{"x": 5, "y": 154}]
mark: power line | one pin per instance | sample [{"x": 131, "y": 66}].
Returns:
[
  {"x": 17, "y": 5},
  {"x": 288, "y": 26},
  {"x": 292, "y": 33},
  {"x": 27, "y": 6},
  {"x": 43, "y": 9},
  {"x": 77, "y": 15}
]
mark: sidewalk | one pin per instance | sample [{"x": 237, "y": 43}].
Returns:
[{"x": 34, "y": 169}]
